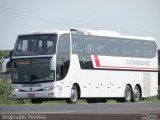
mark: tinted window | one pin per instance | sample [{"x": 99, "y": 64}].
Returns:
[
  {"x": 102, "y": 45},
  {"x": 77, "y": 44},
  {"x": 137, "y": 48},
  {"x": 149, "y": 49},
  {"x": 63, "y": 56},
  {"x": 114, "y": 47},
  {"x": 28, "y": 45},
  {"x": 89, "y": 43},
  {"x": 126, "y": 46},
  {"x": 83, "y": 44}
]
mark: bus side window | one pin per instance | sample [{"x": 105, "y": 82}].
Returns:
[
  {"x": 138, "y": 48},
  {"x": 102, "y": 45},
  {"x": 114, "y": 47},
  {"x": 77, "y": 44},
  {"x": 149, "y": 49},
  {"x": 90, "y": 44},
  {"x": 63, "y": 56},
  {"x": 126, "y": 46}
]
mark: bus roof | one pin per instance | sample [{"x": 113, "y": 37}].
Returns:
[
  {"x": 105, "y": 33},
  {"x": 45, "y": 32},
  {"x": 108, "y": 33}
]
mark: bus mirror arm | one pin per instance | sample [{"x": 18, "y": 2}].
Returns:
[
  {"x": 10, "y": 57},
  {"x": 10, "y": 54}
]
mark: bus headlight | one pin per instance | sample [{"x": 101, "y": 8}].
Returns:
[
  {"x": 16, "y": 90},
  {"x": 48, "y": 88}
]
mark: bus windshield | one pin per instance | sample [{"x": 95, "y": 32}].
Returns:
[{"x": 41, "y": 44}]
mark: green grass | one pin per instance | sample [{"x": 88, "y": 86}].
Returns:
[
  {"x": 152, "y": 99},
  {"x": 45, "y": 103},
  {"x": 28, "y": 103},
  {"x": 63, "y": 102}
]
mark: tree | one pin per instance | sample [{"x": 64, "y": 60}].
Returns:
[{"x": 3, "y": 53}]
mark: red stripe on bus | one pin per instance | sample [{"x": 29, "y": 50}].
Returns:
[
  {"x": 113, "y": 67},
  {"x": 96, "y": 60}
]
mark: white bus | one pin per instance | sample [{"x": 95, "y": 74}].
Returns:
[{"x": 89, "y": 64}]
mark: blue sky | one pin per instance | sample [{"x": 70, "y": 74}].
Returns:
[{"x": 130, "y": 17}]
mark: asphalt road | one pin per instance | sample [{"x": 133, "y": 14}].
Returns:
[
  {"x": 119, "y": 108},
  {"x": 130, "y": 111}
]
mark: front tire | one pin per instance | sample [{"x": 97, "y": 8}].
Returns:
[{"x": 74, "y": 95}]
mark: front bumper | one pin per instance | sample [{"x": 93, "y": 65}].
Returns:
[{"x": 33, "y": 94}]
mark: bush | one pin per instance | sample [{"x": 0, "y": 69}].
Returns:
[{"x": 5, "y": 91}]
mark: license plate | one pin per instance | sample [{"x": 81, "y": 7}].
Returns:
[{"x": 31, "y": 95}]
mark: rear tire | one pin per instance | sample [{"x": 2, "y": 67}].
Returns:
[
  {"x": 128, "y": 94},
  {"x": 136, "y": 94},
  {"x": 74, "y": 95}
]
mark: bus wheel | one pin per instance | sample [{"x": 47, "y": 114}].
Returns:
[
  {"x": 136, "y": 94},
  {"x": 128, "y": 94},
  {"x": 36, "y": 101},
  {"x": 74, "y": 95}
]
